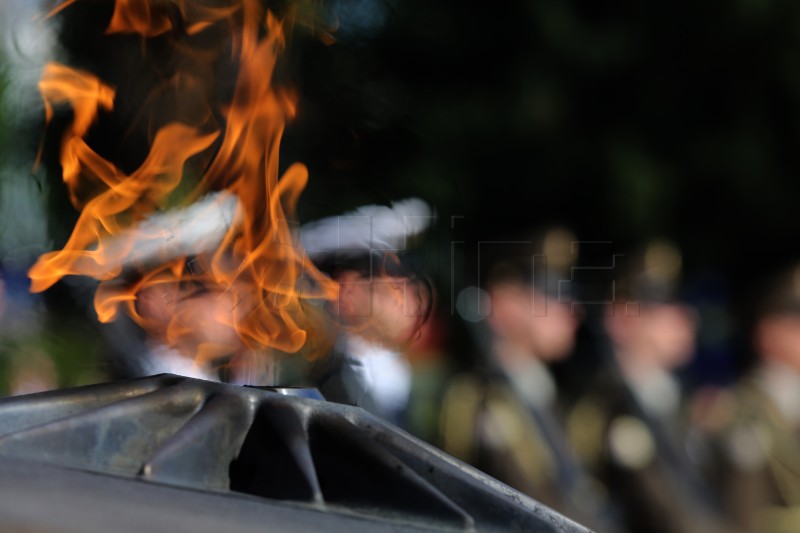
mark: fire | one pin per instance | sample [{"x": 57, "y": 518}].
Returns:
[{"x": 257, "y": 278}]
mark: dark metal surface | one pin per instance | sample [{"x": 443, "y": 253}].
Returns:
[{"x": 308, "y": 464}]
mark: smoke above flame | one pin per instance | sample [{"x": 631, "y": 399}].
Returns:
[{"x": 258, "y": 276}]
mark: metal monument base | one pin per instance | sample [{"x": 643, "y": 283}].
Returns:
[{"x": 169, "y": 453}]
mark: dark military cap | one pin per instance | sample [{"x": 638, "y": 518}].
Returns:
[
  {"x": 654, "y": 275},
  {"x": 782, "y": 295},
  {"x": 544, "y": 263}
]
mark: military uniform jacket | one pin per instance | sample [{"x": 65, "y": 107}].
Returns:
[
  {"x": 487, "y": 424},
  {"x": 757, "y": 459},
  {"x": 640, "y": 461}
]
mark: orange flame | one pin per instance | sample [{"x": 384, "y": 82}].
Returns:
[{"x": 257, "y": 279}]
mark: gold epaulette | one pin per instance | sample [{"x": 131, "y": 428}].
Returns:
[
  {"x": 460, "y": 408},
  {"x": 585, "y": 430}
]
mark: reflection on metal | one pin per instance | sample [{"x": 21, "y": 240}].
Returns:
[
  {"x": 300, "y": 392},
  {"x": 334, "y": 464}
]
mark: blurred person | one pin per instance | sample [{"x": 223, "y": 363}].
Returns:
[
  {"x": 40, "y": 350},
  {"x": 630, "y": 428},
  {"x": 32, "y": 371},
  {"x": 373, "y": 310},
  {"x": 505, "y": 417},
  {"x": 754, "y": 428},
  {"x": 2, "y": 299},
  {"x": 432, "y": 364},
  {"x": 381, "y": 308},
  {"x": 198, "y": 353}
]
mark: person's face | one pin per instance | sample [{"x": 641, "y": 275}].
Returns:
[
  {"x": 778, "y": 338},
  {"x": 670, "y": 329},
  {"x": 388, "y": 310},
  {"x": 658, "y": 334},
  {"x": 542, "y": 325},
  {"x": 210, "y": 312},
  {"x": 552, "y": 329}
]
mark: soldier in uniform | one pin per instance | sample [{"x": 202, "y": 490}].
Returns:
[
  {"x": 381, "y": 307},
  {"x": 755, "y": 428},
  {"x": 504, "y": 417},
  {"x": 629, "y": 429}
]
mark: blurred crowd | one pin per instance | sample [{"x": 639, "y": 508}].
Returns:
[
  {"x": 616, "y": 433},
  {"x": 586, "y": 400}
]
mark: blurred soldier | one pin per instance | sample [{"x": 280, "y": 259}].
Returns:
[
  {"x": 379, "y": 303},
  {"x": 381, "y": 308},
  {"x": 505, "y": 418},
  {"x": 431, "y": 366},
  {"x": 629, "y": 430},
  {"x": 755, "y": 429}
]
